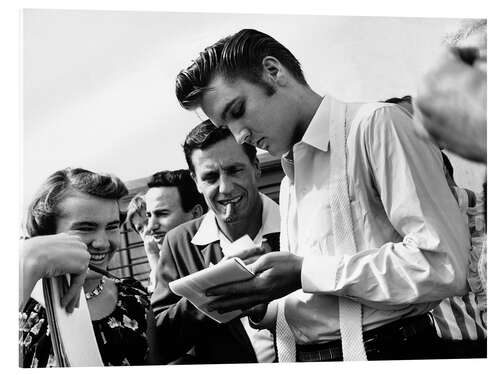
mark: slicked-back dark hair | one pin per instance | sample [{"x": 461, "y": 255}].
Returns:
[
  {"x": 43, "y": 209},
  {"x": 205, "y": 135},
  {"x": 237, "y": 56},
  {"x": 398, "y": 100},
  {"x": 181, "y": 179}
]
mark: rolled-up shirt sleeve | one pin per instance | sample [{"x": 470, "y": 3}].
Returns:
[{"x": 430, "y": 262}]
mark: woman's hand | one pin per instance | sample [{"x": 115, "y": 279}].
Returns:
[{"x": 50, "y": 256}]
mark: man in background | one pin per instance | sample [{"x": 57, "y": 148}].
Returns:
[{"x": 171, "y": 199}]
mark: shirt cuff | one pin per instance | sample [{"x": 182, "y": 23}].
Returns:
[
  {"x": 269, "y": 319},
  {"x": 319, "y": 273}
]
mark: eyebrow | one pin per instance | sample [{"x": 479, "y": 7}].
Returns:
[
  {"x": 208, "y": 173},
  {"x": 226, "y": 109},
  {"x": 159, "y": 209},
  {"x": 92, "y": 224},
  {"x": 234, "y": 165},
  {"x": 89, "y": 223}
]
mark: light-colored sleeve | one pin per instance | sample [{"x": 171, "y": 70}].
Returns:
[{"x": 430, "y": 262}]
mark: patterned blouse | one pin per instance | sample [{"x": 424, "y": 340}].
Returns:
[{"x": 121, "y": 336}]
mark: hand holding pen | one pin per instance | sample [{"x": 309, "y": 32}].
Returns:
[{"x": 52, "y": 256}]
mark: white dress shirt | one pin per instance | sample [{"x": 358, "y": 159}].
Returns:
[
  {"x": 208, "y": 232},
  {"x": 412, "y": 241}
]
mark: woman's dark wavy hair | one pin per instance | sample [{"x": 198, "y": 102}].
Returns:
[
  {"x": 236, "y": 56},
  {"x": 205, "y": 135},
  {"x": 43, "y": 209}
]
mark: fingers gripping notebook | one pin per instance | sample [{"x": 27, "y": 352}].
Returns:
[{"x": 194, "y": 286}]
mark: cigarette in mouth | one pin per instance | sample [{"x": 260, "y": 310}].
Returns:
[{"x": 229, "y": 211}]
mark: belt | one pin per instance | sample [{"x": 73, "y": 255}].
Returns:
[{"x": 376, "y": 341}]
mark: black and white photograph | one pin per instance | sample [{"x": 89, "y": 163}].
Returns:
[{"x": 223, "y": 187}]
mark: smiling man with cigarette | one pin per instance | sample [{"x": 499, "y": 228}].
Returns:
[{"x": 226, "y": 174}]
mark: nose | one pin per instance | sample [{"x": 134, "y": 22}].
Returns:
[
  {"x": 101, "y": 241},
  {"x": 152, "y": 223},
  {"x": 225, "y": 184},
  {"x": 242, "y": 135}
]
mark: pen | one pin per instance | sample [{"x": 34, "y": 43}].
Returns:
[{"x": 103, "y": 272}]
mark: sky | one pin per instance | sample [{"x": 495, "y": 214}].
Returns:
[{"x": 98, "y": 86}]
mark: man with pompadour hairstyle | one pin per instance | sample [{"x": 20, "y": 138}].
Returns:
[
  {"x": 235, "y": 56},
  {"x": 371, "y": 236}
]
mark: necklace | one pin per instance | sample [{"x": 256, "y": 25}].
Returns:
[{"x": 96, "y": 291}]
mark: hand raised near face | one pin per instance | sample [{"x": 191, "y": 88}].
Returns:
[
  {"x": 150, "y": 244},
  {"x": 56, "y": 255}
]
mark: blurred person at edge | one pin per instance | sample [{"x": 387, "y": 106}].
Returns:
[
  {"x": 80, "y": 209},
  {"x": 452, "y": 95},
  {"x": 451, "y": 105}
]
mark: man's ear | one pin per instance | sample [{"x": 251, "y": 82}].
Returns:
[
  {"x": 197, "y": 211},
  {"x": 257, "y": 168},
  {"x": 273, "y": 71}
]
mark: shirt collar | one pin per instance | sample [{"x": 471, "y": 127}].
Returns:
[
  {"x": 209, "y": 232},
  {"x": 316, "y": 134}
]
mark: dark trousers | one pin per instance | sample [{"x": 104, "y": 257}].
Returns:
[
  {"x": 411, "y": 338},
  {"x": 453, "y": 349}
]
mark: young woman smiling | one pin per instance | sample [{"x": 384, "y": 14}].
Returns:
[{"x": 80, "y": 208}]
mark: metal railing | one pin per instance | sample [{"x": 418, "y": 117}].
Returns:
[{"x": 131, "y": 260}]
